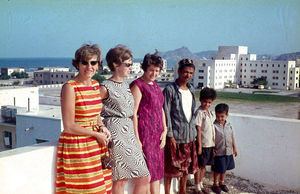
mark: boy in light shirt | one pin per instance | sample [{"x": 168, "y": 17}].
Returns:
[
  {"x": 205, "y": 135},
  {"x": 224, "y": 148}
]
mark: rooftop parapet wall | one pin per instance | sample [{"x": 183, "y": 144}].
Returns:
[{"x": 268, "y": 152}]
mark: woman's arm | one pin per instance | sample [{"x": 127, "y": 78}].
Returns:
[
  {"x": 165, "y": 131},
  {"x": 68, "y": 116},
  {"x": 137, "y": 95}
]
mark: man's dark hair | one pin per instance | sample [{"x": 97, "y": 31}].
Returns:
[
  {"x": 208, "y": 93},
  {"x": 185, "y": 63},
  {"x": 222, "y": 108}
]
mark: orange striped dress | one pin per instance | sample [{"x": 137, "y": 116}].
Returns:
[{"x": 79, "y": 168}]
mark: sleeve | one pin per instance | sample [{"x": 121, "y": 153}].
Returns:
[
  {"x": 167, "y": 109},
  {"x": 198, "y": 118}
]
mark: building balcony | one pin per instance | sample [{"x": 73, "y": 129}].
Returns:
[{"x": 268, "y": 153}]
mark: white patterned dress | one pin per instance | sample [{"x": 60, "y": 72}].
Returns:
[{"x": 117, "y": 109}]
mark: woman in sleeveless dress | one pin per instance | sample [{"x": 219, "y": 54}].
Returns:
[
  {"x": 118, "y": 106},
  {"x": 81, "y": 146},
  {"x": 149, "y": 118}
]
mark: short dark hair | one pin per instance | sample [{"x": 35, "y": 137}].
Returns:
[
  {"x": 208, "y": 93},
  {"x": 152, "y": 59},
  {"x": 85, "y": 53},
  {"x": 222, "y": 108},
  {"x": 185, "y": 63},
  {"x": 117, "y": 55}
]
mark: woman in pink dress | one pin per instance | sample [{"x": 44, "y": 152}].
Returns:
[{"x": 149, "y": 118}]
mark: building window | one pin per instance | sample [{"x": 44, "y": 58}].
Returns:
[
  {"x": 283, "y": 84},
  {"x": 61, "y": 75},
  {"x": 245, "y": 64},
  {"x": 246, "y": 59},
  {"x": 241, "y": 64},
  {"x": 41, "y": 141},
  {"x": 241, "y": 70},
  {"x": 41, "y": 75},
  {"x": 72, "y": 76},
  {"x": 278, "y": 65},
  {"x": 67, "y": 76},
  {"x": 7, "y": 139},
  {"x": 283, "y": 78},
  {"x": 250, "y": 65},
  {"x": 200, "y": 77},
  {"x": 201, "y": 71},
  {"x": 51, "y": 75},
  {"x": 240, "y": 76},
  {"x": 255, "y": 65},
  {"x": 272, "y": 65},
  {"x": 244, "y": 76},
  {"x": 203, "y": 64},
  {"x": 56, "y": 75},
  {"x": 284, "y": 65},
  {"x": 283, "y": 71},
  {"x": 245, "y": 70},
  {"x": 241, "y": 58},
  {"x": 261, "y": 65},
  {"x": 267, "y": 65}
]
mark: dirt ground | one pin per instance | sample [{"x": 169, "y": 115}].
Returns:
[{"x": 237, "y": 185}]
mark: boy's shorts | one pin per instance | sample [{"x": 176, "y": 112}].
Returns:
[
  {"x": 206, "y": 157},
  {"x": 223, "y": 163}
]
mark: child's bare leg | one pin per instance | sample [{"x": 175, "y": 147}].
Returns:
[
  {"x": 222, "y": 178},
  {"x": 216, "y": 178}
]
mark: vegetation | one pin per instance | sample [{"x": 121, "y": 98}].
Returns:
[
  {"x": 260, "y": 81},
  {"x": 100, "y": 78},
  {"x": 4, "y": 77},
  {"x": 19, "y": 75},
  {"x": 253, "y": 98}
]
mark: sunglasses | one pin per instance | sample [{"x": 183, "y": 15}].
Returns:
[
  {"x": 93, "y": 63},
  {"x": 128, "y": 64}
]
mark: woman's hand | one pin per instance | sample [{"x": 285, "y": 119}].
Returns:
[
  {"x": 163, "y": 139},
  {"x": 106, "y": 132},
  {"x": 101, "y": 138}
]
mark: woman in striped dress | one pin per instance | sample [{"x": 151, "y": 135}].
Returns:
[{"x": 81, "y": 146}]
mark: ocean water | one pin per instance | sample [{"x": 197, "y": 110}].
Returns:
[{"x": 31, "y": 64}]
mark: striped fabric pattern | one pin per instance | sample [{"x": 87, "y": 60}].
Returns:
[{"x": 79, "y": 168}]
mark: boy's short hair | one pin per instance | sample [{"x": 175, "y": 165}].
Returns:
[
  {"x": 185, "y": 63},
  {"x": 208, "y": 93},
  {"x": 221, "y": 108}
]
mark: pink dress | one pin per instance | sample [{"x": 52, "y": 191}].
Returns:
[{"x": 150, "y": 126}]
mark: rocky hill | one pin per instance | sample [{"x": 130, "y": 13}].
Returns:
[{"x": 184, "y": 52}]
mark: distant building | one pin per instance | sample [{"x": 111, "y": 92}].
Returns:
[
  {"x": 233, "y": 64},
  {"x": 53, "y": 75},
  {"x": 10, "y": 70},
  {"x": 20, "y": 96},
  {"x": 20, "y": 128}
]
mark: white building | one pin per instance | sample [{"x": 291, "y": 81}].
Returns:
[
  {"x": 10, "y": 70},
  {"x": 20, "y": 96},
  {"x": 51, "y": 75},
  {"x": 234, "y": 65}
]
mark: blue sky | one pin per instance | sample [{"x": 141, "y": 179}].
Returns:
[{"x": 57, "y": 28}]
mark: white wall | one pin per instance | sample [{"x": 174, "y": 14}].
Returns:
[
  {"x": 268, "y": 149},
  {"x": 42, "y": 128},
  {"x": 268, "y": 152},
  {"x": 21, "y": 95}
]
